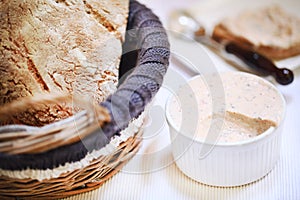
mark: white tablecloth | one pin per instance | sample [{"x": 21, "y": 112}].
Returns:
[{"x": 152, "y": 174}]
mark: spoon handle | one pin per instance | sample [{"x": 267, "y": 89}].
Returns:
[{"x": 260, "y": 63}]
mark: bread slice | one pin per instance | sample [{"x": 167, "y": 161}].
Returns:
[
  {"x": 60, "y": 46},
  {"x": 270, "y": 31}
]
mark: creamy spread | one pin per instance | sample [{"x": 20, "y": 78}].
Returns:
[
  {"x": 41, "y": 175},
  {"x": 270, "y": 26},
  {"x": 250, "y": 107}
]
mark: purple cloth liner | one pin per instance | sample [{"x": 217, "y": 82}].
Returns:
[{"x": 145, "y": 58}]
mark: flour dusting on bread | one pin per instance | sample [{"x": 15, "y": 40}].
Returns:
[{"x": 60, "y": 46}]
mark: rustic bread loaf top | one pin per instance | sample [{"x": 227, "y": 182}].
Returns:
[{"x": 62, "y": 46}]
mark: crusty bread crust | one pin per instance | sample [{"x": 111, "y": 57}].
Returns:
[
  {"x": 222, "y": 32},
  {"x": 60, "y": 46},
  {"x": 41, "y": 110}
]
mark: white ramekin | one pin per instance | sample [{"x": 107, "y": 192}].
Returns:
[{"x": 227, "y": 164}]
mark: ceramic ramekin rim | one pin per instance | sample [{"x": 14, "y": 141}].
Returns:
[{"x": 256, "y": 139}]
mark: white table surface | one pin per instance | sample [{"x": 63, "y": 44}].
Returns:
[{"x": 152, "y": 173}]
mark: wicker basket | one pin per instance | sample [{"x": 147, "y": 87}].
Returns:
[
  {"x": 75, "y": 182},
  {"x": 147, "y": 63}
]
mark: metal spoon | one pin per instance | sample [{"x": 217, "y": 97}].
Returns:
[{"x": 187, "y": 27}]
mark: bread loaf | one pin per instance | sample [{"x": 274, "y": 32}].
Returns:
[
  {"x": 59, "y": 46},
  {"x": 270, "y": 31}
]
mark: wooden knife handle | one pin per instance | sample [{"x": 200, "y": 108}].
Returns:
[{"x": 260, "y": 63}]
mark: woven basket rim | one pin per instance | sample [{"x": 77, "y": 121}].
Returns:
[
  {"x": 74, "y": 182},
  {"x": 26, "y": 139}
]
